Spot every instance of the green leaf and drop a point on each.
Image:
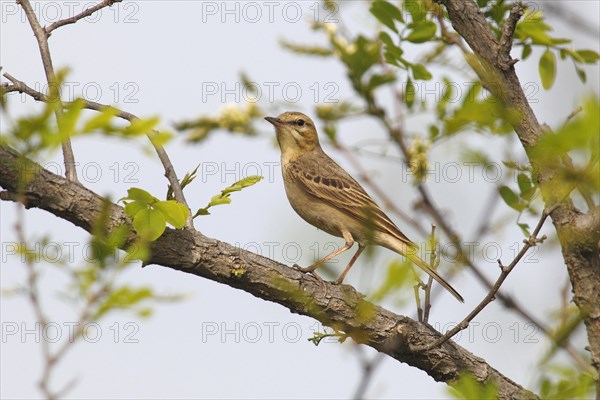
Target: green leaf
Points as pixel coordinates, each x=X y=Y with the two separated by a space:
x=421 y=32
x=307 y=50
x=377 y=80
x=510 y=198
x=202 y=211
x=568 y=383
x=515 y=166
x=122 y=299
x=573 y=54
x=134 y=207
x=365 y=54
x=243 y=183
x=526 y=52
x=219 y=199
x=588 y=56
x=533 y=27
x=547 y=69
x=149 y=224
x=174 y=212
x=467 y=387
x=524 y=182
x=398 y=275
x=137 y=194
x=420 y=72
x=434 y=132
x=101 y=121
x=69 y=118
x=526 y=187
x=581 y=74
x=392 y=53
x=556 y=41
x=524 y=229
x=416 y=8
x=223 y=197
x=386 y=13
x=141 y=126
x=187 y=179
x=160 y=138
x=580 y=133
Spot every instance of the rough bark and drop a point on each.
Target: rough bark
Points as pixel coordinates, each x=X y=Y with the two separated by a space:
x=338 y=306
x=579 y=233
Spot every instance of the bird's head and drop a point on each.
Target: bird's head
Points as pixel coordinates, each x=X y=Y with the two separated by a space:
x=296 y=133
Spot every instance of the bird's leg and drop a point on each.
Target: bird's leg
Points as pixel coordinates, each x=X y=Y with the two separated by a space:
x=349 y=243
x=361 y=248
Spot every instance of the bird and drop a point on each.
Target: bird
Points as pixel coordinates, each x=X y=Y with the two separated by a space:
x=327 y=197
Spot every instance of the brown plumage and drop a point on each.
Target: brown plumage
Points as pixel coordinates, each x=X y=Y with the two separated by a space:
x=326 y=196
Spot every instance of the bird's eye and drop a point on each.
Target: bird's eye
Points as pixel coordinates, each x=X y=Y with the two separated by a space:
x=300 y=122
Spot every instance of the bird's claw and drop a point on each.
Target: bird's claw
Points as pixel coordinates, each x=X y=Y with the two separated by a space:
x=306 y=270
x=312 y=272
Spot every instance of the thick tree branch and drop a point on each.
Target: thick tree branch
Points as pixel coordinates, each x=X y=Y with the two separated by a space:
x=343 y=308
x=579 y=252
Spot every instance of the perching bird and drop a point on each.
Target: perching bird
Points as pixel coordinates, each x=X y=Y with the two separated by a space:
x=326 y=196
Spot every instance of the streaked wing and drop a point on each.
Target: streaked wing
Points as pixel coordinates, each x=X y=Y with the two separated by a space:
x=327 y=181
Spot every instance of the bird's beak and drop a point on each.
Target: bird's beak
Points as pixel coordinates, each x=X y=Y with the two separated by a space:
x=275 y=121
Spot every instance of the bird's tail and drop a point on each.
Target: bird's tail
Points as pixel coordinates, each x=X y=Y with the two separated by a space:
x=408 y=251
x=433 y=273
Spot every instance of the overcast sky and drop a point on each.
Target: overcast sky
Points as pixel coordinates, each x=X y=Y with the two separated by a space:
x=182 y=59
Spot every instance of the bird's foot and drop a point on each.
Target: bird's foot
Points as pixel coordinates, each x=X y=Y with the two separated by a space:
x=312 y=272
x=307 y=270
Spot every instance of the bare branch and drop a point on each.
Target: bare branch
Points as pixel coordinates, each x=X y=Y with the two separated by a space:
x=433 y=263
x=170 y=174
x=75 y=18
x=42 y=39
x=369 y=367
x=416 y=289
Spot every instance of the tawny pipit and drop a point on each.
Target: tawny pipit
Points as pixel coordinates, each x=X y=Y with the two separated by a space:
x=326 y=196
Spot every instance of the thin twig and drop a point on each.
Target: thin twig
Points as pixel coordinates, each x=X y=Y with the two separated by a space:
x=368 y=367
x=416 y=288
x=432 y=264
x=75 y=18
x=42 y=39
x=34 y=298
x=21 y=87
x=572 y=115
x=532 y=241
